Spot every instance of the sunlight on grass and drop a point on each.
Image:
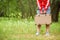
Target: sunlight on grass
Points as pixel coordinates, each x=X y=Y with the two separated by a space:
x=11 y=29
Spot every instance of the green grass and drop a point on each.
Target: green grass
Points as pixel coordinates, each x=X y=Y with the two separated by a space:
x=14 y=29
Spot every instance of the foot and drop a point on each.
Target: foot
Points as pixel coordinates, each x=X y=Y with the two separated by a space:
x=47 y=34
x=37 y=33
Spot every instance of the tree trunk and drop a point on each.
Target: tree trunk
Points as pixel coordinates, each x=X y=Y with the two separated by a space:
x=55 y=11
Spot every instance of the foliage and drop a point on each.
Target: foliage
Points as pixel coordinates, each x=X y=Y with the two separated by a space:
x=23 y=8
x=17 y=8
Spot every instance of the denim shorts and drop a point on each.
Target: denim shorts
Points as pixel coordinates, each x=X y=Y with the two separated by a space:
x=47 y=12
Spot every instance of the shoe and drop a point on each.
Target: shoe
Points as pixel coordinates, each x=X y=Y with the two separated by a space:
x=37 y=33
x=47 y=34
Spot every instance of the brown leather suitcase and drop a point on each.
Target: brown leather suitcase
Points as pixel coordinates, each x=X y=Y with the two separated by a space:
x=43 y=19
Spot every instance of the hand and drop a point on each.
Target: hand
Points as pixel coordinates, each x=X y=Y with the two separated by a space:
x=41 y=12
x=44 y=11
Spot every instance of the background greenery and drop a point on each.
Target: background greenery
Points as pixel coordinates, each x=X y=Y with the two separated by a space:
x=25 y=8
x=17 y=20
x=23 y=29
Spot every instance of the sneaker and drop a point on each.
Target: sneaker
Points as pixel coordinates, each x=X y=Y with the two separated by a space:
x=37 y=33
x=47 y=34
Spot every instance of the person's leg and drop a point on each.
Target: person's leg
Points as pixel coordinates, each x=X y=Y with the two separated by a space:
x=38 y=29
x=47 y=29
x=48 y=25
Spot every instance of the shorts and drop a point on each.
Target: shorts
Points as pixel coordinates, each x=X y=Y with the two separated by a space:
x=47 y=12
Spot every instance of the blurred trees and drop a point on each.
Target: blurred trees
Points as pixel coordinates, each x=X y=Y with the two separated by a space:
x=25 y=8
x=18 y=8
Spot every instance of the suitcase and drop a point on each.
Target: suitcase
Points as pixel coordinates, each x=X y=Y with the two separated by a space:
x=43 y=19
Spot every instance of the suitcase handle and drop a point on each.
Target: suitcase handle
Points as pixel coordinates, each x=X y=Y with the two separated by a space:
x=43 y=14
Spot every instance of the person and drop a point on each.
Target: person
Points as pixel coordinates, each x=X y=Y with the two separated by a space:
x=43 y=7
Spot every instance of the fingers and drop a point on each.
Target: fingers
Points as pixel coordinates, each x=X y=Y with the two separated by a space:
x=41 y=12
x=44 y=11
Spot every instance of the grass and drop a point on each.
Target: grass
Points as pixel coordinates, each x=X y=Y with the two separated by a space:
x=14 y=29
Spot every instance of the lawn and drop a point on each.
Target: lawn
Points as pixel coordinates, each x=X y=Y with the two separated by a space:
x=19 y=29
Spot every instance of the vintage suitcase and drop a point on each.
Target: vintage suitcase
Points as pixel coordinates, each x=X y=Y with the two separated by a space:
x=43 y=19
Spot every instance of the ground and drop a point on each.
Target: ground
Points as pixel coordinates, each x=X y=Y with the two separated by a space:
x=19 y=29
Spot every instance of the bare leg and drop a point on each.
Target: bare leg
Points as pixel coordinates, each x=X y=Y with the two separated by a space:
x=38 y=29
x=47 y=29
